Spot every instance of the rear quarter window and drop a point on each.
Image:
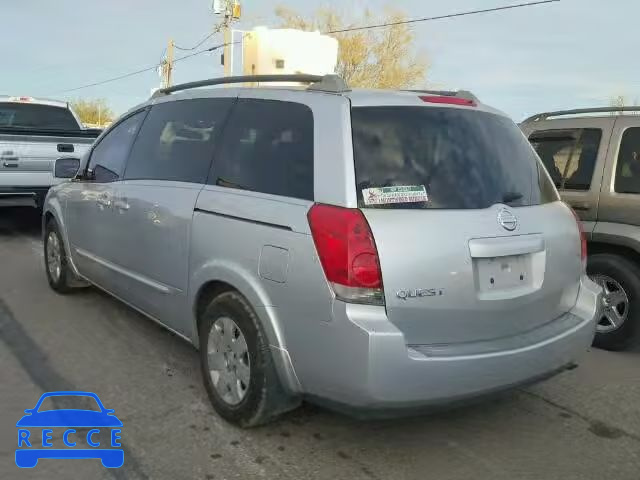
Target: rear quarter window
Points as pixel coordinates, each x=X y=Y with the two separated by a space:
x=569 y=155
x=453 y=158
x=627 y=179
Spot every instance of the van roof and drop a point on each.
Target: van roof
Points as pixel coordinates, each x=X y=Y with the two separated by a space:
x=327 y=84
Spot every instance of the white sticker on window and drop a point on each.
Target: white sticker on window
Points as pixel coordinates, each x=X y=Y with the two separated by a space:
x=386 y=195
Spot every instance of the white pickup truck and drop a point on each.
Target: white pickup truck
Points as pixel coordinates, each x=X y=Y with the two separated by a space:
x=33 y=134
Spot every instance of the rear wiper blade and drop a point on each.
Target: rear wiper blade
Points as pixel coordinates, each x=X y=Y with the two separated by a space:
x=226 y=183
x=509 y=197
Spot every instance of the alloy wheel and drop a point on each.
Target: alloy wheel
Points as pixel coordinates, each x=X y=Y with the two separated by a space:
x=615 y=304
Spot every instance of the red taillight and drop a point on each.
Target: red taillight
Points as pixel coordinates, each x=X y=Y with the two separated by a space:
x=583 y=236
x=347 y=252
x=465 y=102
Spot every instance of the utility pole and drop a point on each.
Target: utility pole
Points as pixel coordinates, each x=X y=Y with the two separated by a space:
x=231 y=11
x=226 y=55
x=167 y=66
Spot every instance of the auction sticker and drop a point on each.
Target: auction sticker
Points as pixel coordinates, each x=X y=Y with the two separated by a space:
x=387 y=195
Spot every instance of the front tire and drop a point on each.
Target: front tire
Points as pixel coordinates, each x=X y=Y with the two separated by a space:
x=620 y=279
x=237 y=366
x=56 y=264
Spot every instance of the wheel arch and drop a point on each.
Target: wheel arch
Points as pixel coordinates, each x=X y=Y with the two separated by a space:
x=52 y=210
x=220 y=276
x=624 y=251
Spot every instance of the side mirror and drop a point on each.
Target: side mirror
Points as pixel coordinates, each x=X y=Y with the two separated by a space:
x=66 y=167
x=29 y=411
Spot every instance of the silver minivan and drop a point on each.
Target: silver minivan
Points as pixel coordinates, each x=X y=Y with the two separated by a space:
x=372 y=250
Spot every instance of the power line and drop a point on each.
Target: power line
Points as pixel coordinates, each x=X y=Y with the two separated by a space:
x=199 y=43
x=143 y=70
x=343 y=30
x=441 y=17
x=120 y=77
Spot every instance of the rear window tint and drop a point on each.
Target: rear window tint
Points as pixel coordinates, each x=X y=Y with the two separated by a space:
x=569 y=155
x=447 y=158
x=45 y=117
x=267 y=147
x=628 y=168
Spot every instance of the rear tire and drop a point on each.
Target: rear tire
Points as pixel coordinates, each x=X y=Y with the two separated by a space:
x=614 y=269
x=241 y=402
x=56 y=265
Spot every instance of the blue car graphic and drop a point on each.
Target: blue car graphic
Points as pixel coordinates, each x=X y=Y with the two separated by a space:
x=28 y=456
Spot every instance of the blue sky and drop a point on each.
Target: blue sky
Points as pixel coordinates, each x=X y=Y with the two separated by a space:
x=561 y=55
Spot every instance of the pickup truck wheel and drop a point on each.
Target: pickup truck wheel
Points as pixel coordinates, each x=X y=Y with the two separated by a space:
x=237 y=367
x=620 y=280
x=55 y=260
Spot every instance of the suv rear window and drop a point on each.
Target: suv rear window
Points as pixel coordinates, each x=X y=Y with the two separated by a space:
x=44 y=117
x=446 y=158
x=569 y=155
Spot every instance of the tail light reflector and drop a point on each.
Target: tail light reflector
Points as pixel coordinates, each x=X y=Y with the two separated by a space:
x=583 y=237
x=347 y=252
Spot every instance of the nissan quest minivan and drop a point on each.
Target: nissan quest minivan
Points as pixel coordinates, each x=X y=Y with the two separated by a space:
x=373 y=250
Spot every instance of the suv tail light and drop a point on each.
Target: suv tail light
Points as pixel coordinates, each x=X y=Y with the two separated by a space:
x=583 y=238
x=347 y=252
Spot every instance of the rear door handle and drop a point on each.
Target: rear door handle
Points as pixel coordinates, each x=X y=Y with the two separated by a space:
x=104 y=200
x=122 y=204
x=506 y=246
x=9 y=162
x=65 y=147
x=582 y=206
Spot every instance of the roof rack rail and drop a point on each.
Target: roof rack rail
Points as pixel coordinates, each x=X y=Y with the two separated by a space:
x=323 y=83
x=579 y=111
x=466 y=94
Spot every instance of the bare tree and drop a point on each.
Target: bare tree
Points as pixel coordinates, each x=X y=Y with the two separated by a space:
x=93 y=111
x=372 y=58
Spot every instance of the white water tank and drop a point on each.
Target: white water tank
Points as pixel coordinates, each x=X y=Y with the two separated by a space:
x=288 y=51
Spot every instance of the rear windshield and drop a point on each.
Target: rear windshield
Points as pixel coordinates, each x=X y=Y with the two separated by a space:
x=448 y=158
x=37 y=117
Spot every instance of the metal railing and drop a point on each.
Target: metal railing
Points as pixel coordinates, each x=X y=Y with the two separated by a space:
x=579 y=111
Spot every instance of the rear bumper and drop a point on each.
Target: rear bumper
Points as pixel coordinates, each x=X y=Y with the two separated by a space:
x=372 y=368
x=22 y=196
